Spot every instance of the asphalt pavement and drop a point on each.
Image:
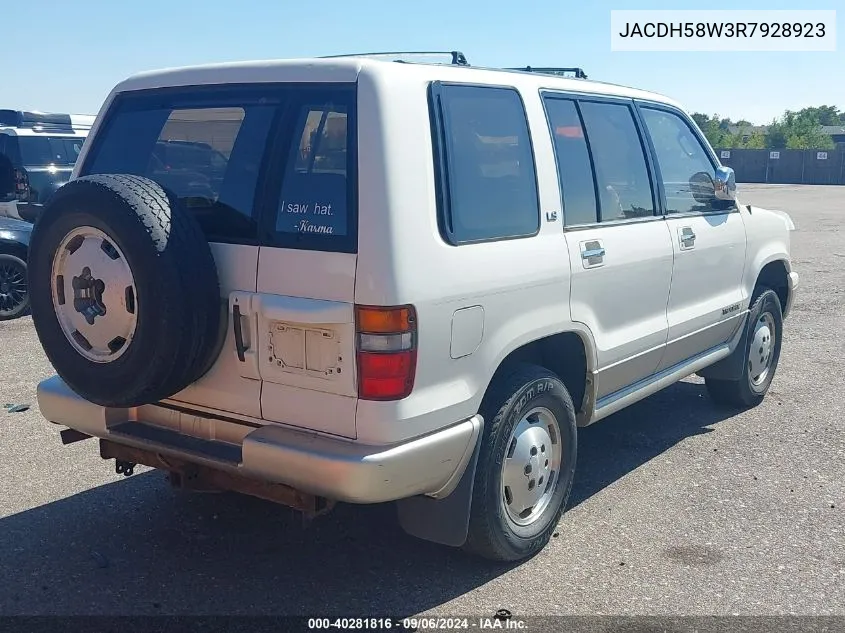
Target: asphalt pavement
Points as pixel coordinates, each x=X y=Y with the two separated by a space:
x=678 y=507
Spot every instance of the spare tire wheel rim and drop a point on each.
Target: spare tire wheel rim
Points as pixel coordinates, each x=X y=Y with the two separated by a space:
x=531 y=466
x=94 y=295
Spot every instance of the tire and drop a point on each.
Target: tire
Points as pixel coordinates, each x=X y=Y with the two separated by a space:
x=157 y=291
x=748 y=391
x=14 y=293
x=511 y=399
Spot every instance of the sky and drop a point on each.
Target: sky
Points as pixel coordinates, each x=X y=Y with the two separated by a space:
x=66 y=55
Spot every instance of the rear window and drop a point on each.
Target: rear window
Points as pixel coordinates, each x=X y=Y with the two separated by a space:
x=316 y=208
x=205 y=148
x=49 y=150
x=254 y=164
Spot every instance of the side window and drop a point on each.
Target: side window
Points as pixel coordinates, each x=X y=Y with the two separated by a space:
x=9 y=147
x=7 y=172
x=685 y=168
x=489 y=164
x=49 y=150
x=622 y=177
x=315 y=202
x=573 y=162
x=207 y=156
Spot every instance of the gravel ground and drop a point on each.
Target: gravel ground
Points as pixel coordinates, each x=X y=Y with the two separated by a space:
x=678 y=508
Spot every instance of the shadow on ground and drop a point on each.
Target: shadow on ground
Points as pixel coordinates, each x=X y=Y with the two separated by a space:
x=136 y=546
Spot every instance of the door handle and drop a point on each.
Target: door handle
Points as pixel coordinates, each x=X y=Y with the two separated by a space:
x=246 y=328
x=592 y=253
x=240 y=348
x=686 y=236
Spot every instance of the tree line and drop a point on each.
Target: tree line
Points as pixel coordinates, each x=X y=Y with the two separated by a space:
x=793 y=130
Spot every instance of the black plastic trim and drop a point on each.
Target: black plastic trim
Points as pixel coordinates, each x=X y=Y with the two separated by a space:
x=239 y=335
x=217 y=451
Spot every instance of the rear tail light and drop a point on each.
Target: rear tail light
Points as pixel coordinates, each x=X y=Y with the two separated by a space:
x=387 y=351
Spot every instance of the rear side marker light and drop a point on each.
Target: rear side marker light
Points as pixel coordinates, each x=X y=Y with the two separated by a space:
x=378 y=320
x=386 y=354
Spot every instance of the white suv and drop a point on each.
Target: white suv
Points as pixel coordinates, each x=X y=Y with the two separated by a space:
x=362 y=280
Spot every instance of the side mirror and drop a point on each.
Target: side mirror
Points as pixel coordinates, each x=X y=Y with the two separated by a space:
x=725 y=184
x=702 y=187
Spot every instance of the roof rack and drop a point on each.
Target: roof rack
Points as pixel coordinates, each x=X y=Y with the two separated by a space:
x=44 y=120
x=579 y=73
x=457 y=57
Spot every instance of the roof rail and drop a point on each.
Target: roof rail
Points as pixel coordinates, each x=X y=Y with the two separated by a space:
x=457 y=57
x=579 y=73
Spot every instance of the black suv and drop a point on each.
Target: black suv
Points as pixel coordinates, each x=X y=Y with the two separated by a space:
x=14 y=247
x=42 y=149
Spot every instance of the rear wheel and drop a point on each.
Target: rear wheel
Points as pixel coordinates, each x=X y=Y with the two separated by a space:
x=761 y=355
x=526 y=466
x=14 y=292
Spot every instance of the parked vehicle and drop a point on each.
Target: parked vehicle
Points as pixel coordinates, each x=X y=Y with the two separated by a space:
x=402 y=282
x=14 y=243
x=43 y=148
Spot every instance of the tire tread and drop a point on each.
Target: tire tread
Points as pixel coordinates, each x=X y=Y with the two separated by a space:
x=482 y=538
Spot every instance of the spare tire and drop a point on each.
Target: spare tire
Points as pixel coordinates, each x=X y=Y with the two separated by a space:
x=124 y=290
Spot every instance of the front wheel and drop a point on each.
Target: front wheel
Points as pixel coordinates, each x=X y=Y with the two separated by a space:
x=761 y=354
x=526 y=465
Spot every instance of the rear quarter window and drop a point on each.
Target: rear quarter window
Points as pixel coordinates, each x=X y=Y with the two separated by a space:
x=487 y=169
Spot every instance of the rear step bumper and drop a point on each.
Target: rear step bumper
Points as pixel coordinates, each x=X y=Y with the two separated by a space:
x=337 y=469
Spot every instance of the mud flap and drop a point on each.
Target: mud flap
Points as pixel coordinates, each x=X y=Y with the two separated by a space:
x=732 y=367
x=444 y=521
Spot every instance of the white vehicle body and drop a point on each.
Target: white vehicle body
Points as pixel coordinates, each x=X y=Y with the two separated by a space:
x=618 y=309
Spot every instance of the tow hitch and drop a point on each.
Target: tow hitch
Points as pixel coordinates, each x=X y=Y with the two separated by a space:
x=197 y=477
x=124 y=468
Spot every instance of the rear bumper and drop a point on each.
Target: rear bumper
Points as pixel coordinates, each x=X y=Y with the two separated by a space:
x=793 y=282
x=334 y=468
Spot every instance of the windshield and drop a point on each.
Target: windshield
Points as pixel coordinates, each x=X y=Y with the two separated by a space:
x=50 y=150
